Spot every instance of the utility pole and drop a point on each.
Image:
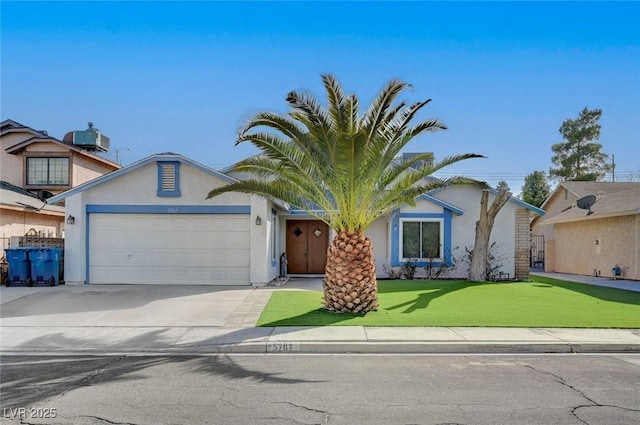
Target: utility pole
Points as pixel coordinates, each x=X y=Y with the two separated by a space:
x=613 y=168
x=118 y=155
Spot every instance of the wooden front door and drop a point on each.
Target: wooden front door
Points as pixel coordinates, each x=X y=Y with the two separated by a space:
x=307 y=242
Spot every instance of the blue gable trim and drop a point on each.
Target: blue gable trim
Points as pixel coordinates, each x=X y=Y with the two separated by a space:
x=136 y=165
x=443 y=204
x=521 y=203
x=446 y=217
x=168 y=209
x=493 y=191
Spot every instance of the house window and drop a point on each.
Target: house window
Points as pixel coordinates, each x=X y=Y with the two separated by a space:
x=168 y=179
x=47 y=171
x=421 y=239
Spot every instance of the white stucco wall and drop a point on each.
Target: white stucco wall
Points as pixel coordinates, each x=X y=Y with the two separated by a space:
x=463 y=228
x=380 y=236
x=264 y=264
x=75 y=259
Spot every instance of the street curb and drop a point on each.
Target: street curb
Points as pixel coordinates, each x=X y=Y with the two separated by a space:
x=330 y=347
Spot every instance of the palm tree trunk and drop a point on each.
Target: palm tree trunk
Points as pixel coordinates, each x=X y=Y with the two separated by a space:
x=350 y=284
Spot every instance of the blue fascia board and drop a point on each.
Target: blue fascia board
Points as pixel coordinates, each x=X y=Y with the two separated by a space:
x=521 y=203
x=168 y=209
x=304 y=212
x=443 y=204
x=494 y=191
x=163 y=157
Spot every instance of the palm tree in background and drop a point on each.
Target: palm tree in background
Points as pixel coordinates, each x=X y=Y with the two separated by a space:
x=334 y=160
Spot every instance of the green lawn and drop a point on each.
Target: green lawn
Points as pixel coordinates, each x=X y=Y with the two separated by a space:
x=542 y=303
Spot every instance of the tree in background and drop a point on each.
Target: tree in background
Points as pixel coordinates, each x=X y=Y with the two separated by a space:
x=536 y=188
x=579 y=157
x=503 y=185
x=334 y=160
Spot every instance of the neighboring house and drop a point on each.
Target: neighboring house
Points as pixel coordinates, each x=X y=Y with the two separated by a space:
x=150 y=222
x=22 y=213
x=32 y=162
x=592 y=244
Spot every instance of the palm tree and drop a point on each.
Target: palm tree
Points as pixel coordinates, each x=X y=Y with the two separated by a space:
x=334 y=160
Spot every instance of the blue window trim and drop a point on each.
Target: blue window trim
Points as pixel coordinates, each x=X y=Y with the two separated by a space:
x=395 y=236
x=169 y=193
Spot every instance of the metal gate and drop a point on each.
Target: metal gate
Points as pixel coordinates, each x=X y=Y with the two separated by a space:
x=537 y=251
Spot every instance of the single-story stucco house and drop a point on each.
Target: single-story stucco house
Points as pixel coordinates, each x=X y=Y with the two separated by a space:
x=150 y=222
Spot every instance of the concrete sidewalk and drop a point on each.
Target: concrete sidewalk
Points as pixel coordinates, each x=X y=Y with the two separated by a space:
x=627 y=285
x=336 y=339
x=137 y=320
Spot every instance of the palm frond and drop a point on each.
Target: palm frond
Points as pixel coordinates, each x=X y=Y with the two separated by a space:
x=331 y=158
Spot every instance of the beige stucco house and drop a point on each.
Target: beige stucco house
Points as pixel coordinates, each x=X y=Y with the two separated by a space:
x=592 y=244
x=33 y=163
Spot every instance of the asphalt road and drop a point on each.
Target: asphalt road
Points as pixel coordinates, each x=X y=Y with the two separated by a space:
x=329 y=389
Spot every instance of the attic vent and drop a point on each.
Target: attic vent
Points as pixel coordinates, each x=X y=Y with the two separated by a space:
x=168 y=178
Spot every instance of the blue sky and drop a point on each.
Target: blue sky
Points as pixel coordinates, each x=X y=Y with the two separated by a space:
x=183 y=76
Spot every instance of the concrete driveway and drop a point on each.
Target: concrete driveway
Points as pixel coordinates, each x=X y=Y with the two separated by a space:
x=120 y=305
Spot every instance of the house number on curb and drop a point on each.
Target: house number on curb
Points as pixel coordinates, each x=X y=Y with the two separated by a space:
x=282 y=347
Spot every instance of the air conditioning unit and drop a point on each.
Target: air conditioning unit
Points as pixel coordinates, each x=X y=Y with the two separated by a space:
x=409 y=155
x=90 y=139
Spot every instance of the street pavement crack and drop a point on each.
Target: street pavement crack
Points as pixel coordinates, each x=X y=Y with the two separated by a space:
x=105 y=420
x=562 y=381
x=86 y=381
x=309 y=409
x=574 y=410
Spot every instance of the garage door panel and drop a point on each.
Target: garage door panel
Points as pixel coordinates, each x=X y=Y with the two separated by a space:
x=169 y=249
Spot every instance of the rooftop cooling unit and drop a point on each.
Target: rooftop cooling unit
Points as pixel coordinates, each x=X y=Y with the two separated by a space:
x=409 y=155
x=90 y=139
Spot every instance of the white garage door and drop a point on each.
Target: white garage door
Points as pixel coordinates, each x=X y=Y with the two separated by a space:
x=169 y=249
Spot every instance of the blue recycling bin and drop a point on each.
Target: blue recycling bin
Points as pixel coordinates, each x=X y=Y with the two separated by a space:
x=19 y=270
x=45 y=265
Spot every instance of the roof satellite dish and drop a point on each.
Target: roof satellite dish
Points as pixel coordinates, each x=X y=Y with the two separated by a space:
x=586 y=202
x=43 y=195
